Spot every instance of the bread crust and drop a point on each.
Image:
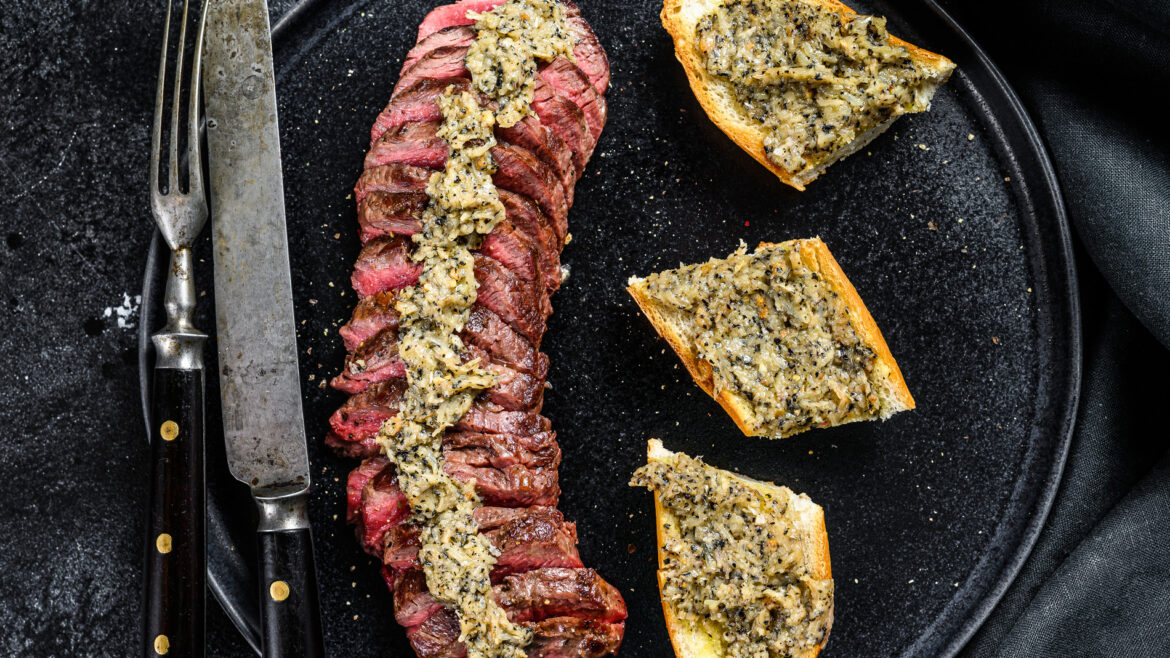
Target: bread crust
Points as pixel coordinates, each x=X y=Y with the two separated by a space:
x=893 y=392
x=694 y=641
x=679 y=18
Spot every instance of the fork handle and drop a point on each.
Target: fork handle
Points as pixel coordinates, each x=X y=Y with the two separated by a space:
x=176 y=539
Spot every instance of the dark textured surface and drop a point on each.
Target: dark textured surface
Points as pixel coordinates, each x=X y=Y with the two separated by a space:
x=930 y=228
x=666 y=186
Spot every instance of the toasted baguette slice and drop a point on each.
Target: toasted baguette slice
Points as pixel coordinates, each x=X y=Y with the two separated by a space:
x=679 y=330
x=680 y=17
x=693 y=640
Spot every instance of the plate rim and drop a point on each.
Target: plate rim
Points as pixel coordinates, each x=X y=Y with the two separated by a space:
x=247 y=623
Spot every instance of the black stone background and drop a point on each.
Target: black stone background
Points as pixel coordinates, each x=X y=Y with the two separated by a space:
x=77 y=82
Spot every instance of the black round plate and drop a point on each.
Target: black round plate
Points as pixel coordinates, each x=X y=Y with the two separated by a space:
x=950 y=225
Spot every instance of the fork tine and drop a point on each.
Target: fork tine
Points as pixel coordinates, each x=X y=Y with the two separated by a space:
x=175 y=103
x=160 y=94
x=194 y=164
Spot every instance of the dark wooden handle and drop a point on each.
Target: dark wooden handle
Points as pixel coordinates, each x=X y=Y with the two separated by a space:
x=290 y=612
x=176 y=530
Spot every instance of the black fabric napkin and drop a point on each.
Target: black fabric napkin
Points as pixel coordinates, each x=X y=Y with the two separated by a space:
x=1094 y=77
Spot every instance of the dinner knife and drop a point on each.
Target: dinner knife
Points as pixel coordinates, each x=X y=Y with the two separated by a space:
x=255 y=325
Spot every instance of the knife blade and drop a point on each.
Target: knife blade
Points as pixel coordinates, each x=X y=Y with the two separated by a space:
x=259 y=374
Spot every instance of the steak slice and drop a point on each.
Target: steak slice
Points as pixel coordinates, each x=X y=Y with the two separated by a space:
x=415 y=143
x=384 y=264
x=524 y=214
x=590 y=56
x=512 y=486
x=454 y=35
x=413 y=602
x=487 y=331
x=538 y=450
x=565 y=120
x=550 y=149
x=523 y=306
x=568 y=80
x=376 y=360
x=519 y=171
x=420 y=102
x=529 y=538
x=437 y=636
x=382 y=504
x=572 y=637
x=445 y=62
x=491 y=419
x=514 y=250
x=362 y=415
x=371 y=315
x=390 y=213
x=445 y=16
x=391 y=178
x=559 y=592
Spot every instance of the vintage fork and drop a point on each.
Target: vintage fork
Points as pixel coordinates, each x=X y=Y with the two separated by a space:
x=176 y=538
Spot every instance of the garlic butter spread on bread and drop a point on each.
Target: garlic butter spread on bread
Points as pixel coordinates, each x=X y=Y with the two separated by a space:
x=743 y=565
x=778 y=336
x=799 y=84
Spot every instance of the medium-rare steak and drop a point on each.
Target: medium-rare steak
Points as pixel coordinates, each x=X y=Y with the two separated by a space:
x=559 y=592
x=501 y=445
x=371 y=315
x=384 y=264
x=569 y=81
x=455 y=35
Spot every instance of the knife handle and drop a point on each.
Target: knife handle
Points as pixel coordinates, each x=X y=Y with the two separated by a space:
x=290 y=609
x=176 y=538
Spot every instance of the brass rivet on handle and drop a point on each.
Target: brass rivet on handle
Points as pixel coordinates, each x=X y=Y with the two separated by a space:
x=162 y=645
x=169 y=430
x=278 y=590
x=163 y=543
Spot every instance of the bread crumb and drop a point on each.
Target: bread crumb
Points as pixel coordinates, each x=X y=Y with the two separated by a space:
x=995 y=339
x=931 y=225
x=970 y=137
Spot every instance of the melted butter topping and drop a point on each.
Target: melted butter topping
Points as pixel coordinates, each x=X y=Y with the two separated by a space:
x=510 y=40
x=736 y=561
x=463 y=205
x=776 y=335
x=814 y=79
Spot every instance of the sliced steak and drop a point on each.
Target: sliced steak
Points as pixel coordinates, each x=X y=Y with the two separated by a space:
x=382 y=506
x=391 y=178
x=445 y=62
x=445 y=16
x=486 y=330
x=545 y=235
x=538 y=450
x=356 y=483
x=437 y=636
x=371 y=315
x=565 y=119
x=572 y=637
x=530 y=538
x=384 y=264
x=390 y=213
x=520 y=304
x=415 y=143
x=590 y=56
x=362 y=415
x=514 y=390
x=490 y=419
x=513 y=486
x=352 y=449
x=569 y=81
x=455 y=35
x=418 y=103
x=519 y=171
x=550 y=149
x=374 y=361
x=559 y=592
x=413 y=602
x=514 y=250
